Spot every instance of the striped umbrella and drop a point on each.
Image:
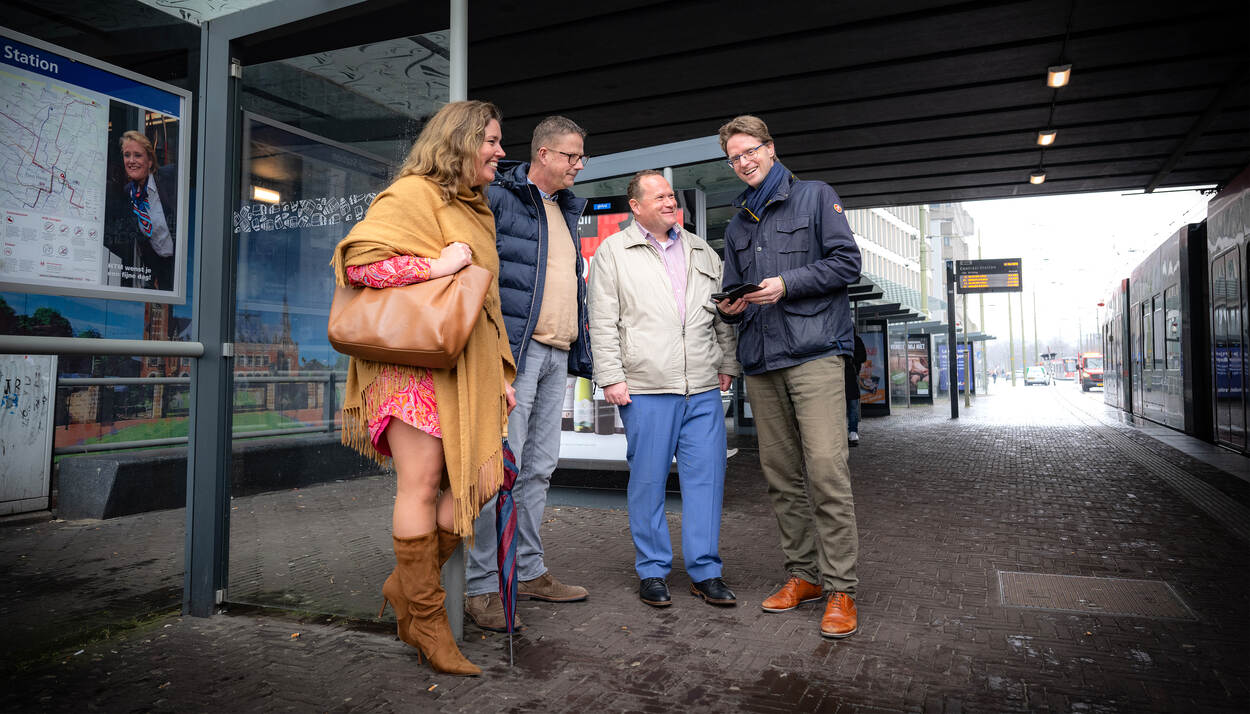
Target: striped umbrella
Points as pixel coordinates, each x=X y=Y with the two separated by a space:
x=505 y=530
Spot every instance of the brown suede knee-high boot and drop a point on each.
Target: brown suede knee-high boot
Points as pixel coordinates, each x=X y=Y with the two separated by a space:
x=418 y=602
x=393 y=594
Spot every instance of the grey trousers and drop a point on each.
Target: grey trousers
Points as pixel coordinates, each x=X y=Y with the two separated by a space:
x=800 y=415
x=534 y=435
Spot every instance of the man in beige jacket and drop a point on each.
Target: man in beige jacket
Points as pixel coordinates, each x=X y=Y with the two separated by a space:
x=661 y=351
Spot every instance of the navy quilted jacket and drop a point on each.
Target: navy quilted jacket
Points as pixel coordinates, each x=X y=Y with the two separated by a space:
x=521 y=238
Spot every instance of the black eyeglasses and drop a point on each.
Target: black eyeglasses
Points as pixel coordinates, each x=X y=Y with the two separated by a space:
x=749 y=153
x=573 y=158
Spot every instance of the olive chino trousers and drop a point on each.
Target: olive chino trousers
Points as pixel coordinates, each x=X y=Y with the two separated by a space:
x=800 y=417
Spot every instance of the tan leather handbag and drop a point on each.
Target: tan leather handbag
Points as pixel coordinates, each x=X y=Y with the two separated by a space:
x=422 y=325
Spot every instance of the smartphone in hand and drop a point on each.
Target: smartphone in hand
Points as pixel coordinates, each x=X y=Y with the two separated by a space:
x=736 y=292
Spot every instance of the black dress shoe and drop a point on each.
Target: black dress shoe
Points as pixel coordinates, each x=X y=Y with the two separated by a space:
x=715 y=591
x=654 y=592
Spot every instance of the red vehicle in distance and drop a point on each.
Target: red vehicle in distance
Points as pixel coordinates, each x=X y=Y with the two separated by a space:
x=1089 y=370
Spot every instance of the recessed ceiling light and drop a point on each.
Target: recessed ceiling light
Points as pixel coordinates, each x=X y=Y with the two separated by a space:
x=1058 y=75
x=1046 y=137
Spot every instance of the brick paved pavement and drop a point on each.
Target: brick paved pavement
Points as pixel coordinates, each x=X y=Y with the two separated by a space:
x=1026 y=481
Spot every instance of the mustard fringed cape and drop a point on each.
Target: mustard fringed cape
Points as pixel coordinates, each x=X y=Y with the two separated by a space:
x=410 y=217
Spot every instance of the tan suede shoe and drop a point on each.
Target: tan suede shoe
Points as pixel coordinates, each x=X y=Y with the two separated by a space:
x=841 y=618
x=795 y=592
x=486 y=611
x=546 y=587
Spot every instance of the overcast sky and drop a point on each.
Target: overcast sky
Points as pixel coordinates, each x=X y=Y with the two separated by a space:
x=1074 y=249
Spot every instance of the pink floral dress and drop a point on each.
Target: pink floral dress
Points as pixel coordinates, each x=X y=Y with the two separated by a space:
x=414 y=404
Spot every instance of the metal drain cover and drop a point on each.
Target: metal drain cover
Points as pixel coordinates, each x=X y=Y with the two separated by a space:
x=1100 y=596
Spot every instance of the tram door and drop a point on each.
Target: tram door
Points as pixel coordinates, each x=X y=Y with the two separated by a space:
x=1139 y=320
x=1226 y=337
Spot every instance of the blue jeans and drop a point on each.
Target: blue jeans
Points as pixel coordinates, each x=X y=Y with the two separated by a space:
x=852 y=415
x=657 y=427
x=534 y=435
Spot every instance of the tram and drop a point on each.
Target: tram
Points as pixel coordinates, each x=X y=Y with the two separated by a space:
x=1175 y=330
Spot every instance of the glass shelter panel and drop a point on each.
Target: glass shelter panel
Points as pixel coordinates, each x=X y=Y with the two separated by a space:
x=123 y=543
x=321 y=136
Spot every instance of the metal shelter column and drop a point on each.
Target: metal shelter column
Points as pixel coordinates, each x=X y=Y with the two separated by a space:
x=208 y=451
x=458 y=90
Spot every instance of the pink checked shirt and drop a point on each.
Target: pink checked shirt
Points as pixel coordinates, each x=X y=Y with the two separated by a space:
x=674 y=258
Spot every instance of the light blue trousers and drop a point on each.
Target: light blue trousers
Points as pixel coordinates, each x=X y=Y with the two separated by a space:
x=657 y=427
x=534 y=435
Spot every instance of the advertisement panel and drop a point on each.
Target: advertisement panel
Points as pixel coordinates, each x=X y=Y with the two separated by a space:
x=898 y=369
x=918 y=368
x=872 y=382
x=94 y=177
x=960 y=360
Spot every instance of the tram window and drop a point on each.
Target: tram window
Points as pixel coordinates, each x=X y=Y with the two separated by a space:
x=1172 y=327
x=1147 y=336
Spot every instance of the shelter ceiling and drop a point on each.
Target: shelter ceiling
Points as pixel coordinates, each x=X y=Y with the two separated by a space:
x=893 y=103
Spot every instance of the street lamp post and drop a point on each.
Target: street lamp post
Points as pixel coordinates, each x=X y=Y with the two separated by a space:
x=1011 y=340
x=1024 y=353
x=1036 y=345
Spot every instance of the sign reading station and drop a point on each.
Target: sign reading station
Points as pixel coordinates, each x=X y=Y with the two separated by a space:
x=988 y=276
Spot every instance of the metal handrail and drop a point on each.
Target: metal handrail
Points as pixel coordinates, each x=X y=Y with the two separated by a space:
x=28 y=345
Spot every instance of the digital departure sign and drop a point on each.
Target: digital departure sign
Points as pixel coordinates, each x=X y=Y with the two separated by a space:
x=988 y=276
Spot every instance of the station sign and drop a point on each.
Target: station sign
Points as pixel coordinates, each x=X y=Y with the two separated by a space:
x=988 y=276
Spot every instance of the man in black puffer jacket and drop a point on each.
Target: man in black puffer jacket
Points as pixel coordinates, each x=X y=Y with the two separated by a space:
x=543 y=296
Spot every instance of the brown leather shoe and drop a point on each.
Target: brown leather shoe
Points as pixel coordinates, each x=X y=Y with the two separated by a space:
x=841 y=618
x=795 y=592
x=486 y=611
x=546 y=587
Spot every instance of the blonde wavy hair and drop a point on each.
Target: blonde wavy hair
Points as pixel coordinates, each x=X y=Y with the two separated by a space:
x=446 y=151
x=142 y=140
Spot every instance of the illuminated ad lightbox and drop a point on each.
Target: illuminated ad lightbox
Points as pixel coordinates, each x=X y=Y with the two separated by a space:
x=871 y=378
x=94 y=181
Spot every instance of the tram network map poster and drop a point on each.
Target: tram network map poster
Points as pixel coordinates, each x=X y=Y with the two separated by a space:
x=93 y=177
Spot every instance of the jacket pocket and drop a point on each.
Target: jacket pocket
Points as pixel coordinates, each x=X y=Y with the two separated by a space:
x=809 y=325
x=794 y=240
x=745 y=258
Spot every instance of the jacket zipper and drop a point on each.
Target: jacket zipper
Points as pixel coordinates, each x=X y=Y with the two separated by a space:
x=529 y=321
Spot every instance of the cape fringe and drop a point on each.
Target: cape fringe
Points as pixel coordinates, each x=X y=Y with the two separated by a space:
x=469 y=501
x=469 y=505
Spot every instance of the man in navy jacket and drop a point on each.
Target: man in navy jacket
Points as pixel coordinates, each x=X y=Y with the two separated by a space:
x=791 y=238
x=543 y=296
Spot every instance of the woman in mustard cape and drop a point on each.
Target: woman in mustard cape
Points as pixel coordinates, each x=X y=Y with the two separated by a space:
x=442 y=428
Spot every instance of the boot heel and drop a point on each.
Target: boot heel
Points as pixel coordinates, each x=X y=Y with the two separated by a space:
x=382 y=610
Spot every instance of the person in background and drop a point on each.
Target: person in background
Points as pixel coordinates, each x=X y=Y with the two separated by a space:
x=433 y=423
x=544 y=310
x=663 y=355
x=791 y=238
x=852 y=391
